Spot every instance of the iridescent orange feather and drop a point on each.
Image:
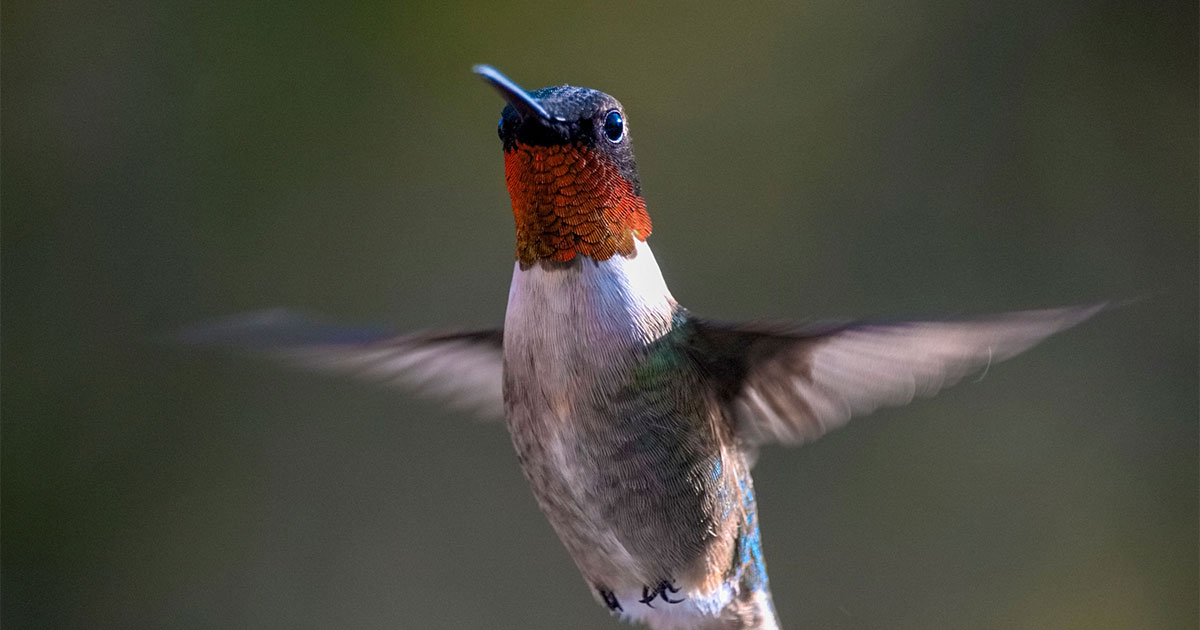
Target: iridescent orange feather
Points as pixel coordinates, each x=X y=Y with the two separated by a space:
x=569 y=200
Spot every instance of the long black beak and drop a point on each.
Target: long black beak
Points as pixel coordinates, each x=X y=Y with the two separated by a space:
x=521 y=101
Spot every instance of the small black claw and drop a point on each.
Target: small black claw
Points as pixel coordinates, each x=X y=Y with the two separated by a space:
x=610 y=599
x=664 y=587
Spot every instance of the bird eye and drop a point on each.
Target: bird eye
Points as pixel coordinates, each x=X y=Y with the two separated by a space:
x=614 y=126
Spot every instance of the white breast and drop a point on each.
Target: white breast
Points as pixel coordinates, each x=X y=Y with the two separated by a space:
x=569 y=334
x=617 y=301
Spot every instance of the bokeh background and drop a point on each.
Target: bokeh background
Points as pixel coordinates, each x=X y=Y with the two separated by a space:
x=171 y=162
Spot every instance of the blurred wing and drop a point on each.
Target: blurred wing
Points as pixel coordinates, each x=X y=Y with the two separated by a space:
x=791 y=386
x=463 y=368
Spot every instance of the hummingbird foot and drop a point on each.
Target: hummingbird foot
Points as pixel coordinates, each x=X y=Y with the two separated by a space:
x=666 y=606
x=663 y=590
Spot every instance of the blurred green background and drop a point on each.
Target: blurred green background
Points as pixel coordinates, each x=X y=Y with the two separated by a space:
x=167 y=163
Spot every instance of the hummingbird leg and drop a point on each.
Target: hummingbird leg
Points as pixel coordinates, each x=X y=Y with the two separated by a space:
x=663 y=590
x=648 y=596
x=668 y=585
x=610 y=599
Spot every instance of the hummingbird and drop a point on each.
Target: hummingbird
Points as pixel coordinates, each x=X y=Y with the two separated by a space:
x=636 y=422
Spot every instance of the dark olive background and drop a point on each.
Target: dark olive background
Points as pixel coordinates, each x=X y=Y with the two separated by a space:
x=167 y=163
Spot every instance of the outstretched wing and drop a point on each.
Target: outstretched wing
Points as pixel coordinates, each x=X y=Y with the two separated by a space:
x=463 y=368
x=793 y=385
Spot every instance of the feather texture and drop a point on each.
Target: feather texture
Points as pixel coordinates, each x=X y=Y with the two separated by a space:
x=463 y=368
x=791 y=385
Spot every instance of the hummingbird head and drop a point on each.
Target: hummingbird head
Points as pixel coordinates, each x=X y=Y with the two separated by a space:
x=569 y=165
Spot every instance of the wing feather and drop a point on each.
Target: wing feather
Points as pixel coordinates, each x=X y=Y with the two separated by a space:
x=792 y=384
x=463 y=368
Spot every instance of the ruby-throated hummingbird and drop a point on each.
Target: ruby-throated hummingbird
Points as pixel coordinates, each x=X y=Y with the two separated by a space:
x=635 y=422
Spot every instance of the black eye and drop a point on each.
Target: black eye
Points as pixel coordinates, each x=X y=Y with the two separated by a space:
x=614 y=126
